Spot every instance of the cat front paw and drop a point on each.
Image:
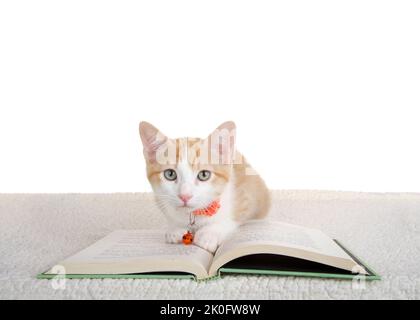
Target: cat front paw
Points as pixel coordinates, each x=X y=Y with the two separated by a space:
x=174 y=235
x=207 y=240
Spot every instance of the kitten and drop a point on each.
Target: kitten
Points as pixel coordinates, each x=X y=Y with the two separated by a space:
x=189 y=174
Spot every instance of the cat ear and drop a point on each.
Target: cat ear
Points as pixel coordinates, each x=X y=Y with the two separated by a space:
x=152 y=140
x=222 y=143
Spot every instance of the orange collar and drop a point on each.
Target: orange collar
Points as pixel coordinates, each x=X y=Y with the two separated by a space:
x=210 y=210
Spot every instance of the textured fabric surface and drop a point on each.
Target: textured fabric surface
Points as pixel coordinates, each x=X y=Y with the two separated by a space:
x=38 y=230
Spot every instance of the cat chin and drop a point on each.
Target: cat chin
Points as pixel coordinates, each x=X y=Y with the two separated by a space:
x=183 y=208
x=182 y=211
x=188 y=208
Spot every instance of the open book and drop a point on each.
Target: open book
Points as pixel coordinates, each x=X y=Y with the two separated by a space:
x=256 y=247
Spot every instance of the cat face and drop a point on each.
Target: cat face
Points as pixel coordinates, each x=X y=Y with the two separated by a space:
x=188 y=173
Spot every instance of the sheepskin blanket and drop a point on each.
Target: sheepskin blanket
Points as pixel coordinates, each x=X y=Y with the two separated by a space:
x=39 y=230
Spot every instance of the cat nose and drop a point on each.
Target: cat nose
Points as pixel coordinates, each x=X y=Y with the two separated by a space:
x=185 y=197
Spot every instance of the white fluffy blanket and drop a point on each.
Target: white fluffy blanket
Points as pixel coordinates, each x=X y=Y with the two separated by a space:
x=38 y=230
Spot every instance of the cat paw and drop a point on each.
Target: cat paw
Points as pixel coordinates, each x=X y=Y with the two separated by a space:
x=207 y=240
x=174 y=235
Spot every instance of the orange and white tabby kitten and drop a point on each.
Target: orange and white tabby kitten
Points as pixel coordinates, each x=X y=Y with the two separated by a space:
x=189 y=174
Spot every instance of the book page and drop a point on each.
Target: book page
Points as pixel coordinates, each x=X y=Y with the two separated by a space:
x=272 y=237
x=282 y=234
x=123 y=246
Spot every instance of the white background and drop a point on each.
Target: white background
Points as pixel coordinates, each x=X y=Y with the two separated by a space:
x=333 y=86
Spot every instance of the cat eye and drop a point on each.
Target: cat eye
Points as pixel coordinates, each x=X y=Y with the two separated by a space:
x=204 y=175
x=170 y=174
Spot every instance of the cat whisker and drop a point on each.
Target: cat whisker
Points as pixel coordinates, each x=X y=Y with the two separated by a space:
x=166 y=196
x=162 y=205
